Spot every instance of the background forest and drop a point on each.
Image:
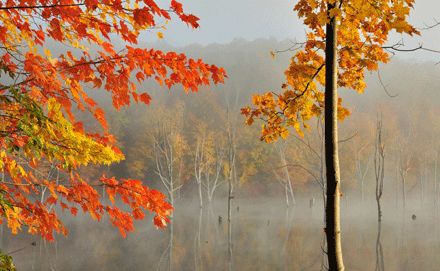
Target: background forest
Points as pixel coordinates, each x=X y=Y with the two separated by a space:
x=119 y=111
x=266 y=177
x=409 y=109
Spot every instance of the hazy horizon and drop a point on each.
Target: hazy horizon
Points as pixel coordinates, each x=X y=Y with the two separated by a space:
x=224 y=21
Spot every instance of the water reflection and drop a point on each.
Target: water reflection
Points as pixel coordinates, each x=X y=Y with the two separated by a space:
x=265 y=236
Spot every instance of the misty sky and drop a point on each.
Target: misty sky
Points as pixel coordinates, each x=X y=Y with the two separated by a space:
x=226 y=20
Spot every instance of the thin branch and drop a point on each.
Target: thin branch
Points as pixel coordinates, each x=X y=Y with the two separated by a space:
x=384 y=87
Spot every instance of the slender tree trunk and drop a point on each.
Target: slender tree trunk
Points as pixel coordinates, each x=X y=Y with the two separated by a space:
x=200 y=194
x=333 y=226
x=379 y=169
x=286 y=257
x=436 y=203
x=397 y=187
x=421 y=188
x=380 y=263
x=171 y=242
x=435 y=182
x=198 y=265
x=289 y=185
x=231 y=175
x=292 y=195
x=379 y=211
x=362 y=191
x=404 y=192
x=230 y=197
x=288 y=181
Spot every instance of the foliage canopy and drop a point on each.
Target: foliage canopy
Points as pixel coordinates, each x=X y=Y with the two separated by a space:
x=43 y=145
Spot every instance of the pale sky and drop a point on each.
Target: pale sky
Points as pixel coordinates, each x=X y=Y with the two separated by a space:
x=222 y=21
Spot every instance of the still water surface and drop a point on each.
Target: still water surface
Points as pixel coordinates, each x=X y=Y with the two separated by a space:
x=265 y=236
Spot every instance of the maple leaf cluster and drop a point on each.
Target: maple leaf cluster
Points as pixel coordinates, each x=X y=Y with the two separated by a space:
x=362 y=30
x=43 y=145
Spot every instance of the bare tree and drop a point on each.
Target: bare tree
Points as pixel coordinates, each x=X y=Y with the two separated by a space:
x=285 y=180
x=316 y=170
x=404 y=167
x=379 y=170
x=200 y=165
x=231 y=176
x=212 y=178
x=362 y=170
x=198 y=263
x=208 y=165
x=436 y=185
x=379 y=167
x=423 y=179
x=168 y=148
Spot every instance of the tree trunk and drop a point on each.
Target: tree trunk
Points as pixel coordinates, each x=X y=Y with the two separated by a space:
x=230 y=197
x=362 y=190
x=231 y=175
x=333 y=227
x=171 y=242
x=198 y=265
x=289 y=185
x=421 y=188
x=200 y=194
x=380 y=263
x=230 y=253
x=404 y=192
x=292 y=195
x=435 y=182
x=397 y=187
x=379 y=170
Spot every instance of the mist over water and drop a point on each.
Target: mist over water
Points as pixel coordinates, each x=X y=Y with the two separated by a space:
x=266 y=236
x=239 y=203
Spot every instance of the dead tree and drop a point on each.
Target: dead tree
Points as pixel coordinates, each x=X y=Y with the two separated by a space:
x=282 y=181
x=379 y=166
x=200 y=166
x=422 y=180
x=208 y=165
x=168 y=150
x=212 y=178
x=231 y=153
x=436 y=185
x=317 y=172
x=198 y=261
x=362 y=170
x=379 y=170
x=404 y=167
x=285 y=181
x=167 y=155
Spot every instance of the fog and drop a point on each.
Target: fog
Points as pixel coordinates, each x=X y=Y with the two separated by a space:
x=266 y=234
x=224 y=21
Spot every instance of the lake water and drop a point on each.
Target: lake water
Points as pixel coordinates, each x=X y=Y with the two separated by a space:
x=265 y=236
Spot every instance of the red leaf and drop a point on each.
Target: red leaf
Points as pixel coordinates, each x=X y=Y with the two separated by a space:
x=145 y=98
x=74 y=211
x=100 y=116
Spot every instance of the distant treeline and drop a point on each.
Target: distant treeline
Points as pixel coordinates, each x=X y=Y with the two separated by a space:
x=405 y=94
